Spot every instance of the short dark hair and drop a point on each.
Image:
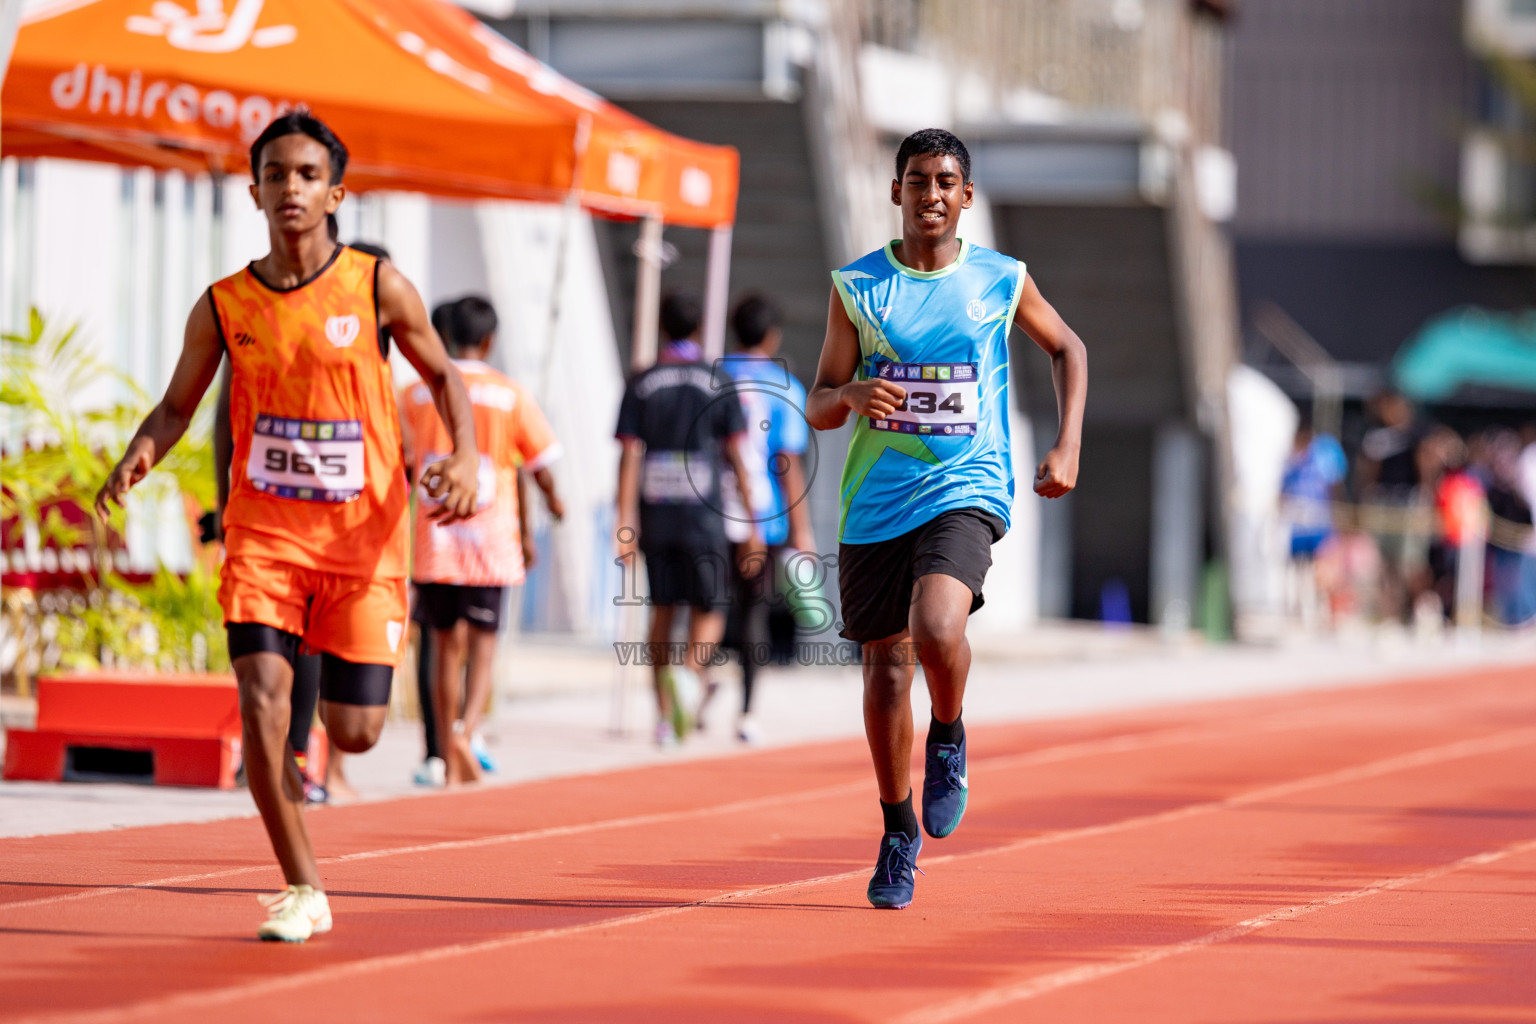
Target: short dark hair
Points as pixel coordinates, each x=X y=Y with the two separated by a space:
x=932 y=140
x=371 y=248
x=754 y=316
x=681 y=311
x=442 y=322
x=301 y=122
x=473 y=319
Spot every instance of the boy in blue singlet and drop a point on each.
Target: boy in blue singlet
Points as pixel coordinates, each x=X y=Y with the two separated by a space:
x=917 y=348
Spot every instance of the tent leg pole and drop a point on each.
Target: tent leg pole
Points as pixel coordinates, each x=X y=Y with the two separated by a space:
x=717 y=290
x=647 y=295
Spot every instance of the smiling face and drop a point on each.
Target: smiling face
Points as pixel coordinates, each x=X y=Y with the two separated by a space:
x=293 y=187
x=931 y=193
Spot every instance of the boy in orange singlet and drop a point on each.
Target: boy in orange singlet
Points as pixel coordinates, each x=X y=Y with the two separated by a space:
x=462 y=570
x=316 y=525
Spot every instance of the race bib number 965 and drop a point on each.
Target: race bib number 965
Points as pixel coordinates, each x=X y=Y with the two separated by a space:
x=307 y=460
x=942 y=399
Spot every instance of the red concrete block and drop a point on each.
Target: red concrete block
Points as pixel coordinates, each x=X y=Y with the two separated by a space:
x=33 y=756
x=126 y=704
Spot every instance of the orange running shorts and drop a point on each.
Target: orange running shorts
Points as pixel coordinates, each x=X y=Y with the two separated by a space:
x=355 y=618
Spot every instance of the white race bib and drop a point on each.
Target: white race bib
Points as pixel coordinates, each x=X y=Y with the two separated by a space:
x=307 y=460
x=942 y=398
x=485 y=481
x=665 y=479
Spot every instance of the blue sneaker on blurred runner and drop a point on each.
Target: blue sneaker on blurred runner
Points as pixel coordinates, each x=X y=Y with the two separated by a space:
x=477 y=747
x=944 y=788
x=890 y=887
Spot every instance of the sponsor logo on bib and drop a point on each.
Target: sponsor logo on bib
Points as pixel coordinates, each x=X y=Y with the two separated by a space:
x=341 y=331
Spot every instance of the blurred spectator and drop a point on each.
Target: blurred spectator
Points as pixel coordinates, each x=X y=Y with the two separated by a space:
x=1458 y=498
x=1348 y=574
x=1388 y=475
x=1527 y=488
x=1387 y=467
x=1313 y=475
x=1310 y=484
x=1507 y=468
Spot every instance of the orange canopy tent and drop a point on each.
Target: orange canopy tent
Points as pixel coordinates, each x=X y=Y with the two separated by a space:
x=426 y=98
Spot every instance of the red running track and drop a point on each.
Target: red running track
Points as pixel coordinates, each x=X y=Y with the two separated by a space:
x=1353 y=855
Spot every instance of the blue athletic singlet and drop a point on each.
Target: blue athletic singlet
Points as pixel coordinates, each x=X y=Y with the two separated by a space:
x=943 y=336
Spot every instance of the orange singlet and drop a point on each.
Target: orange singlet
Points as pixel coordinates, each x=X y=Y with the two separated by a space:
x=485 y=550
x=316 y=528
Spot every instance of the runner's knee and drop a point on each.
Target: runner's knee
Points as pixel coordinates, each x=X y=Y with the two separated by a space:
x=888 y=682
x=264 y=690
x=354 y=730
x=935 y=637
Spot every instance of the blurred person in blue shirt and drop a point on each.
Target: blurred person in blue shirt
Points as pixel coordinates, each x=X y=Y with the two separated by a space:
x=1313 y=473
x=773 y=406
x=1311 y=481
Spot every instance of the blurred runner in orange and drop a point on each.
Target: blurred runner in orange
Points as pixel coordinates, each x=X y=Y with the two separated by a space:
x=462 y=569
x=316 y=523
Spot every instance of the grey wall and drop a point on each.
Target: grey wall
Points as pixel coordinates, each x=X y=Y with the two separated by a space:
x=1339 y=109
x=778 y=247
x=1106 y=271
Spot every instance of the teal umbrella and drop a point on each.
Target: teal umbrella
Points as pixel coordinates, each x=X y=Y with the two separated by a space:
x=1468 y=347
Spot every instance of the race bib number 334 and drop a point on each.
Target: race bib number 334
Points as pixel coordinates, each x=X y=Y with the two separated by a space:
x=942 y=399
x=307 y=460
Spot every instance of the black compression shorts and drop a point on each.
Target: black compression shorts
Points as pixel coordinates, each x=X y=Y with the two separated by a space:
x=341 y=681
x=875 y=580
x=443 y=605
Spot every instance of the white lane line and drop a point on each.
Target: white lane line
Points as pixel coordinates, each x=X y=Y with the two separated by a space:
x=1047 y=755
x=156 y=1007
x=970 y=1006
x=1374 y=769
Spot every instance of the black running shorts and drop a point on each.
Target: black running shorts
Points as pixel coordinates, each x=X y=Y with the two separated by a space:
x=444 y=605
x=341 y=681
x=696 y=573
x=875 y=580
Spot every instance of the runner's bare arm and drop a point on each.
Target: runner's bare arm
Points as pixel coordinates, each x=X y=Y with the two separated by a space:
x=407 y=440
x=530 y=551
x=835 y=392
x=629 y=494
x=792 y=480
x=201 y=350
x=223 y=448
x=751 y=560
x=1057 y=473
x=546 y=481
x=454 y=479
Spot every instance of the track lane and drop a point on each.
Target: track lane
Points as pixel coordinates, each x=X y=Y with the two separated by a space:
x=1211 y=762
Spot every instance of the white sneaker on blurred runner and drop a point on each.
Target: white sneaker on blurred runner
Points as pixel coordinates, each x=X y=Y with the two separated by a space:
x=295 y=914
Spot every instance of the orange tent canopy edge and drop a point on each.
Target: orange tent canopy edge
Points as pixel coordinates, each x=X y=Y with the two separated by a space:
x=426 y=97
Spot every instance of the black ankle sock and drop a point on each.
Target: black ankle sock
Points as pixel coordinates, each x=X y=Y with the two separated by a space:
x=945 y=732
x=899 y=817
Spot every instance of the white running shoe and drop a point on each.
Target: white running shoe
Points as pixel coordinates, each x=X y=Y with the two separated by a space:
x=747 y=731
x=688 y=692
x=295 y=914
x=666 y=736
x=433 y=772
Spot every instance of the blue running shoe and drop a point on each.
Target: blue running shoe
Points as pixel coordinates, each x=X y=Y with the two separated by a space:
x=477 y=747
x=890 y=888
x=944 y=788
